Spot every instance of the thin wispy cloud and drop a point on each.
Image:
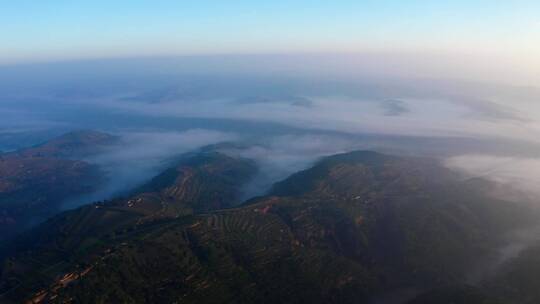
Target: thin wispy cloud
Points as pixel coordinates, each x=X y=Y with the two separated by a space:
x=141 y=155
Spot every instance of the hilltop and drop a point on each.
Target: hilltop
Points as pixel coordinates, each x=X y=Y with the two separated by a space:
x=352 y=227
x=35 y=181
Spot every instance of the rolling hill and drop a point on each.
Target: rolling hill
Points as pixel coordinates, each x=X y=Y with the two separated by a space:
x=35 y=181
x=351 y=228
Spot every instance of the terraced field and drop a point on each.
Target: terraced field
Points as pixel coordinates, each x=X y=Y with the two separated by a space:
x=352 y=227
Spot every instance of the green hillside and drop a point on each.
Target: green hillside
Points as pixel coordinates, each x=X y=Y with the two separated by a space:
x=350 y=228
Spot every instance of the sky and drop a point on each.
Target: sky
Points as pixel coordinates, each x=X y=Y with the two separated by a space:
x=56 y=30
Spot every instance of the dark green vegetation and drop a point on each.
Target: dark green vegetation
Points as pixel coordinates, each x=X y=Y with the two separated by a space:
x=197 y=183
x=35 y=181
x=350 y=228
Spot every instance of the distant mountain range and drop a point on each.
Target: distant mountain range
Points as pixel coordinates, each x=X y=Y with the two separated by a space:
x=354 y=228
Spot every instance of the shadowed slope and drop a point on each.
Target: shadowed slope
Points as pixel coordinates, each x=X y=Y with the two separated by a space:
x=354 y=226
x=35 y=181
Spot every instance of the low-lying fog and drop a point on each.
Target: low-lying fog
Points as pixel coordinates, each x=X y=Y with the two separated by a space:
x=277 y=113
x=288 y=115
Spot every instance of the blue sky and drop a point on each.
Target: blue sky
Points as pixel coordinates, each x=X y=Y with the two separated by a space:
x=61 y=29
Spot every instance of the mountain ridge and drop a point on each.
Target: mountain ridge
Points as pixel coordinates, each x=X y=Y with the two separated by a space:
x=35 y=181
x=324 y=246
